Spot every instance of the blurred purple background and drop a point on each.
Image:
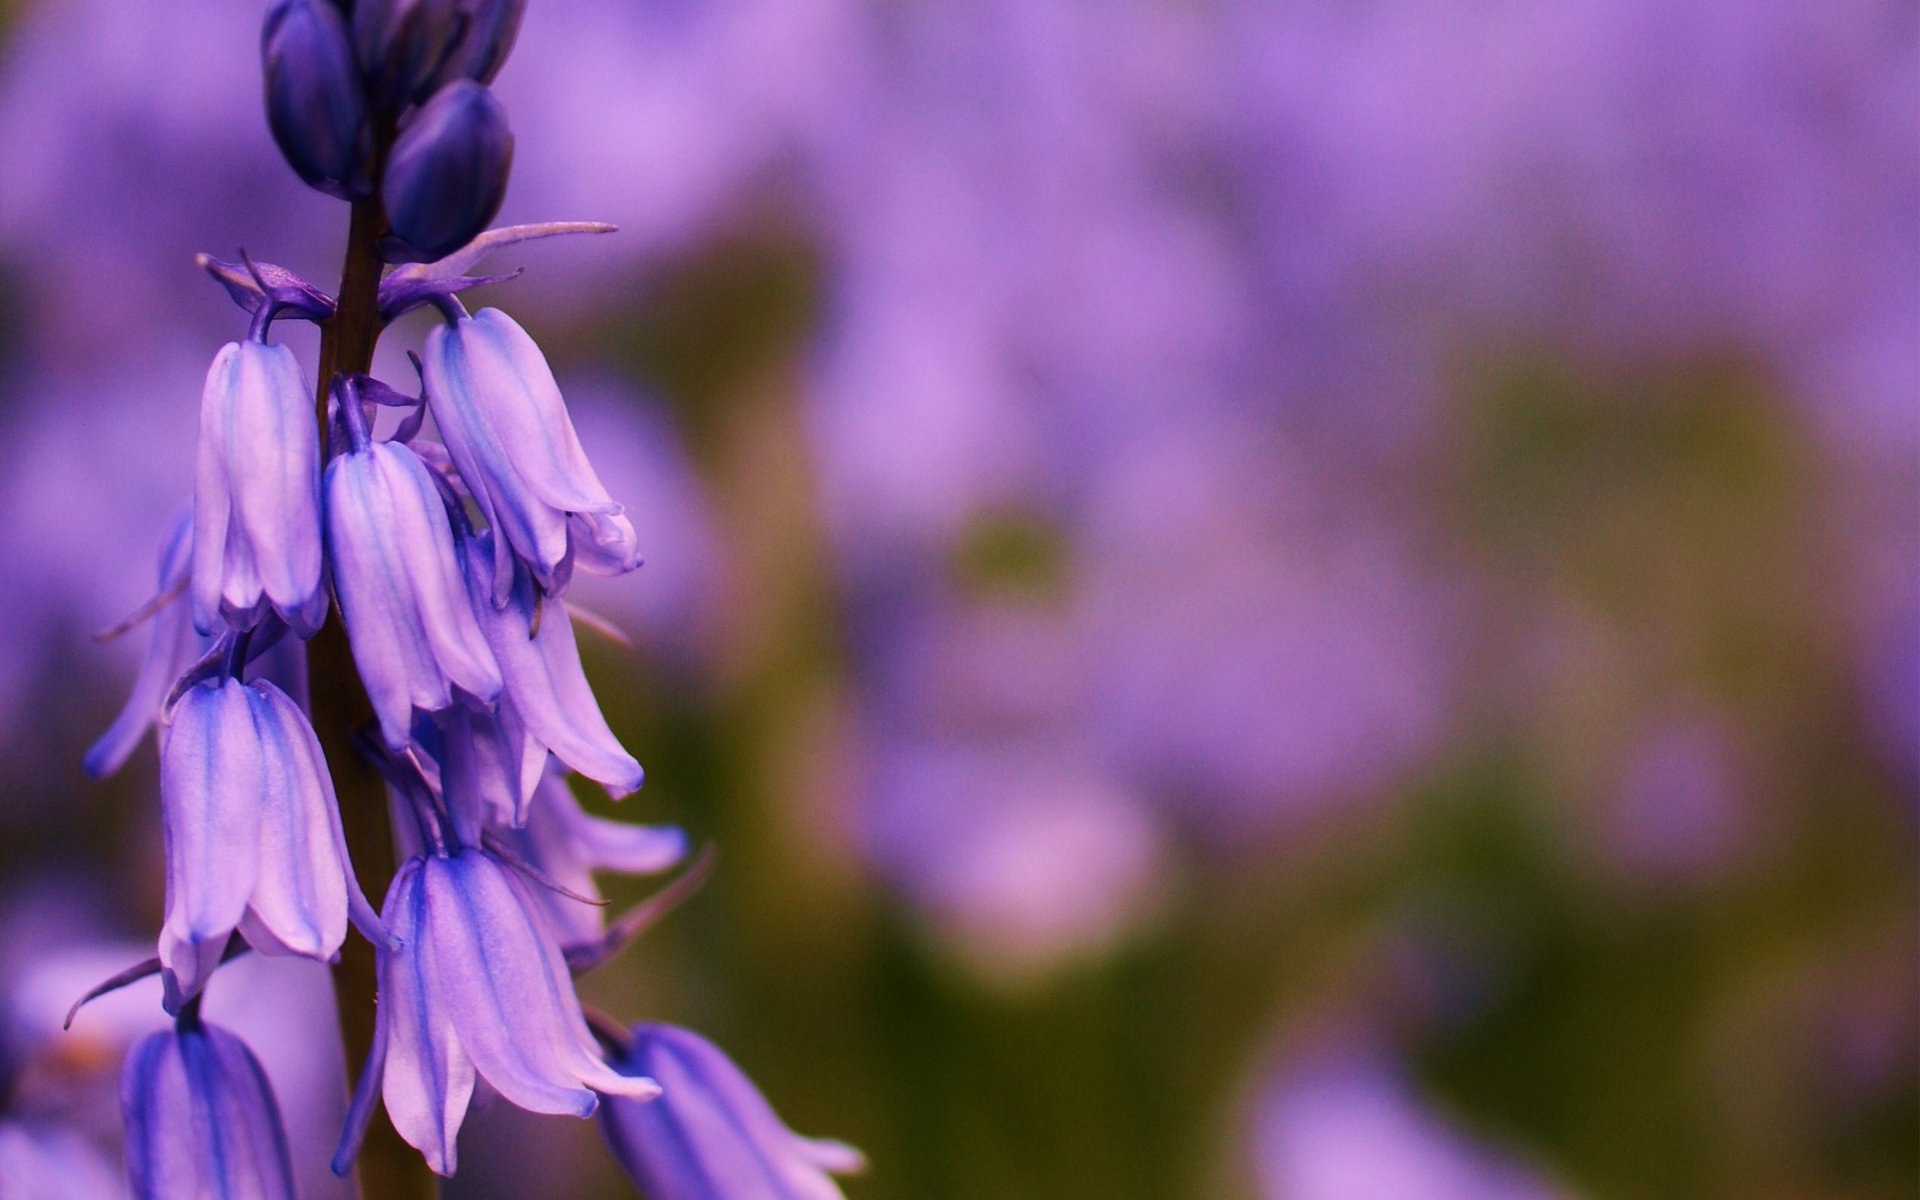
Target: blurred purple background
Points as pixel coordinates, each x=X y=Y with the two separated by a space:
x=1300 y=599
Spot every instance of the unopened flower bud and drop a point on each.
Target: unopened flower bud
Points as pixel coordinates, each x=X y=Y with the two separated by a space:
x=402 y=45
x=448 y=172
x=314 y=100
x=485 y=39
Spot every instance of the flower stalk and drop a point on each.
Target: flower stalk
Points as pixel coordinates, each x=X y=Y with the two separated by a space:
x=387 y=1166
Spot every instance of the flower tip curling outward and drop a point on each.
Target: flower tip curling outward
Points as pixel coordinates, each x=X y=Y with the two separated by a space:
x=256 y=494
x=315 y=105
x=201 y=1119
x=447 y=174
x=711 y=1135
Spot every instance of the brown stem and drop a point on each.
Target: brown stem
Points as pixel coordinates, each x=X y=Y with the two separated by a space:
x=388 y=1168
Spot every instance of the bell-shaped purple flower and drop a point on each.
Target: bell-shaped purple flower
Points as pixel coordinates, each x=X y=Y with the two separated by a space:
x=474 y=986
x=402 y=45
x=447 y=173
x=506 y=427
x=532 y=640
x=567 y=845
x=711 y=1135
x=175 y=646
x=395 y=570
x=256 y=494
x=315 y=105
x=252 y=833
x=200 y=1119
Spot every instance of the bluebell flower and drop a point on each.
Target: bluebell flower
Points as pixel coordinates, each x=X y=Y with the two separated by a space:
x=532 y=641
x=506 y=427
x=447 y=173
x=315 y=105
x=568 y=844
x=252 y=833
x=394 y=568
x=711 y=1135
x=474 y=986
x=174 y=646
x=256 y=493
x=201 y=1120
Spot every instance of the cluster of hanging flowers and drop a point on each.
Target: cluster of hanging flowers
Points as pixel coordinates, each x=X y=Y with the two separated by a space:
x=448 y=562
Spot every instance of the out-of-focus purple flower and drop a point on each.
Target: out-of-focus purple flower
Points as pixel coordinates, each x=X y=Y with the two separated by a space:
x=401 y=45
x=1343 y=1124
x=1682 y=805
x=399 y=581
x=315 y=105
x=253 y=835
x=711 y=104
x=711 y=1135
x=38 y=1163
x=201 y=1119
x=447 y=173
x=256 y=495
x=475 y=985
x=506 y=426
x=567 y=845
x=532 y=641
x=975 y=835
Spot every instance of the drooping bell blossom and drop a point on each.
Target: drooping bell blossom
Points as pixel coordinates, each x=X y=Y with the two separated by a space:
x=447 y=173
x=506 y=426
x=474 y=984
x=175 y=645
x=256 y=494
x=201 y=1119
x=252 y=834
x=315 y=104
x=401 y=45
x=532 y=641
x=567 y=845
x=412 y=630
x=711 y=1135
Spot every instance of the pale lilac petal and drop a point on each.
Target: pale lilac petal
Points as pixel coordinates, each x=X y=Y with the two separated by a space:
x=212 y=497
x=172 y=648
x=210 y=785
x=256 y=495
x=301 y=895
x=547 y=686
x=439 y=587
x=488 y=963
x=428 y=1077
x=710 y=1135
x=201 y=1119
x=370 y=578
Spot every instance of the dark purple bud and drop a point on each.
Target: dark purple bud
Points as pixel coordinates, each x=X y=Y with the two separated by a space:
x=314 y=101
x=448 y=172
x=485 y=39
x=402 y=45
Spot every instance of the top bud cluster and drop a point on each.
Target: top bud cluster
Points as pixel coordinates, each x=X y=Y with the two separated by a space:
x=346 y=78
